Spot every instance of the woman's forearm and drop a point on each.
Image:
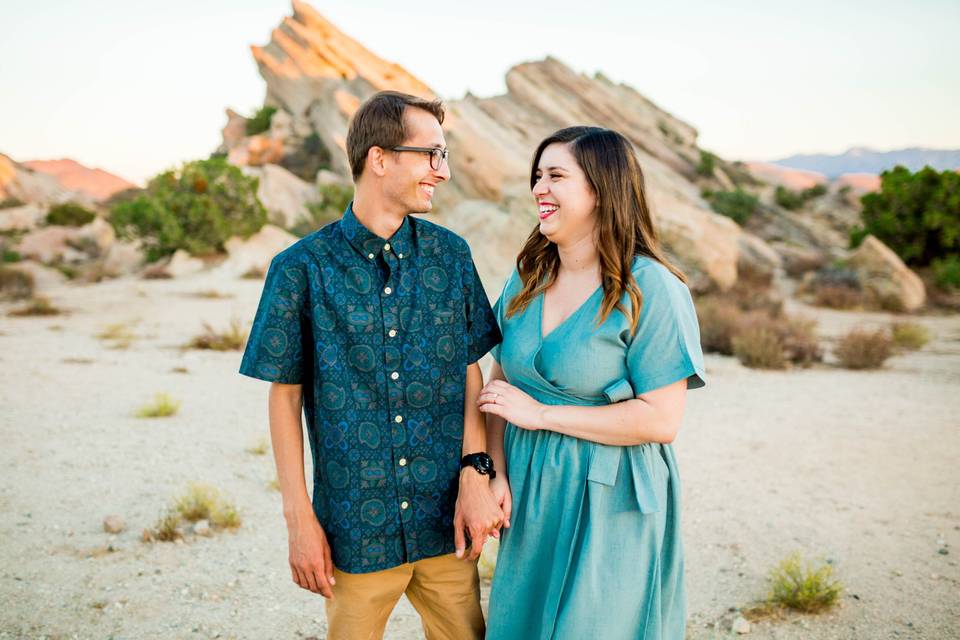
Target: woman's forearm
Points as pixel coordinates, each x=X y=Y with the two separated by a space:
x=625 y=423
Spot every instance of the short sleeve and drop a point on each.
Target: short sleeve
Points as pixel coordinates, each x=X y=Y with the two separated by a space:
x=276 y=347
x=666 y=347
x=483 y=332
x=499 y=311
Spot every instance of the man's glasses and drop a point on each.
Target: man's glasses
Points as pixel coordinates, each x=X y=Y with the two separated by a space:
x=437 y=156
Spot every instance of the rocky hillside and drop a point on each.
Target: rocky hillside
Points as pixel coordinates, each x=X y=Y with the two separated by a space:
x=73 y=176
x=316 y=77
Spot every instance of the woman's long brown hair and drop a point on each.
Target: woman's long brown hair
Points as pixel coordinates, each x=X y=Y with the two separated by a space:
x=624 y=226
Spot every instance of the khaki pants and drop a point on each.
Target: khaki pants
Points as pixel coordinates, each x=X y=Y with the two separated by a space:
x=444 y=590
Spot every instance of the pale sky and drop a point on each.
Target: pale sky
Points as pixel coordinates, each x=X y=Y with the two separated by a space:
x=135 y=88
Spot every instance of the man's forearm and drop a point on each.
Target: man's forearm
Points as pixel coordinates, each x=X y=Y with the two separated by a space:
x=474 y=425
x=286 y=434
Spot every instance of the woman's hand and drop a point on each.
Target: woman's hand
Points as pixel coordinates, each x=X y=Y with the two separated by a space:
x=503 y=399
x=500 y=489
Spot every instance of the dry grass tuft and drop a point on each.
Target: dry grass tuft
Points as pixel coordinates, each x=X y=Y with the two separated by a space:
x=802 y=587
x=162 y=406
x=231 y=339
x=260 y=448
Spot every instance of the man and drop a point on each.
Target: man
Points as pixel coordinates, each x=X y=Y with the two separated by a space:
x=373 y=325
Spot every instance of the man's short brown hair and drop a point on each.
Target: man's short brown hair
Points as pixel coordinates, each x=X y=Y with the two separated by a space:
x=379 y=123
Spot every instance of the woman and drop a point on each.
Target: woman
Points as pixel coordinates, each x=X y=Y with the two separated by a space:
x=600 y=344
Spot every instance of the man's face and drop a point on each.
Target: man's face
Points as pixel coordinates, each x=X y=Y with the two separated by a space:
x=409 y=180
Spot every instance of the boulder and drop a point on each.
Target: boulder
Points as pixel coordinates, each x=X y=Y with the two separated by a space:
x=884 y=275
x=284 y=195
x=256 y=252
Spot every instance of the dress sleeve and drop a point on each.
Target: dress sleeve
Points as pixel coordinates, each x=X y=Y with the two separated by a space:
x=666 y=347
x=483 y=332
x=281 y=330
x=499 y=310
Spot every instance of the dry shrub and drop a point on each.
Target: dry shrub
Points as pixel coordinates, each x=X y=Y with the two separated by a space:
x=231 y=339
x=864 y=349
x=837 y=296
x=719 y=321
x=759 y=348
x=37 y=306
x=15 y=284
x=764 y=334
x=909 y=335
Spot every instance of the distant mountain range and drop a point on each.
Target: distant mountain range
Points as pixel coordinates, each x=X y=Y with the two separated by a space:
x=864 y=160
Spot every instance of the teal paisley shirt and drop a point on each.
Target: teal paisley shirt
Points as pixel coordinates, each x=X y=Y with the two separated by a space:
x=379 y=333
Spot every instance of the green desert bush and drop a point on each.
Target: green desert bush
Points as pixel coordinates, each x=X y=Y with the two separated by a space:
x=915 y=214
x=230 y=339
x=162 y=406
x=708 y=163
x=815 y=191
x=787 y=198
x=260 y=121
x=864 y=349
x=738 y=205
x=946 y=271
x=196 y=207
x=802 y=586
x=909 y=335
x=70 y=214
x=15 y=284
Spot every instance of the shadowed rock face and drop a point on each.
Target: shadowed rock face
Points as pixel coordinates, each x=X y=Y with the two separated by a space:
x=317 y=77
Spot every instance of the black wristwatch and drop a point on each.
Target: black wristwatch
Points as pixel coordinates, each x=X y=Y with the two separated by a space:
x=479 y=461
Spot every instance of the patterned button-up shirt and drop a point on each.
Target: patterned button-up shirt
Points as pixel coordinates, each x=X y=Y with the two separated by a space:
x=379 y=333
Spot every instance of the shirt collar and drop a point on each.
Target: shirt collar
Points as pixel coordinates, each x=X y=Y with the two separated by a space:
x=369 y=244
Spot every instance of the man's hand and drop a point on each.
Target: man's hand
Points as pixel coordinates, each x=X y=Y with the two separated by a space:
x=477 y=514
x=310 y=561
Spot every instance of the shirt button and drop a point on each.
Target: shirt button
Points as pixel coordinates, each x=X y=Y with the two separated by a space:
x=398 y=419
x=403 y=462
x=394 y=375
x=400 y=255
x=370 y=255
x=388 y=290
x=392 y=333
x=404 y=504
x=386 y=247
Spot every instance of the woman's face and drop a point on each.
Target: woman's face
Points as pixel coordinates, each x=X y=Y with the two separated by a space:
x=566 y=203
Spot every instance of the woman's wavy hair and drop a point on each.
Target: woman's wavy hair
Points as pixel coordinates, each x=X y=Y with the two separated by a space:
x=624 y=226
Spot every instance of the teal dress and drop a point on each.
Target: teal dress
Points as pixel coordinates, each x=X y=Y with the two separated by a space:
x=594 y=547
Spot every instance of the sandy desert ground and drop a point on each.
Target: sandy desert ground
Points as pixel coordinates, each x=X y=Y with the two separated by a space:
x=860 y=468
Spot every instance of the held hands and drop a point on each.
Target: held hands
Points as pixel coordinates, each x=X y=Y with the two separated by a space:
x=477 y=514
x=310 y=560
x=503 y=399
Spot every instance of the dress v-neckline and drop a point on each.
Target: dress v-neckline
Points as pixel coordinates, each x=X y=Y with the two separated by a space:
x=542 y=298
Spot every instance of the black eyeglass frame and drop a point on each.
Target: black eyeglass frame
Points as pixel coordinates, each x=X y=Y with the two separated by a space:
x=434 y=152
